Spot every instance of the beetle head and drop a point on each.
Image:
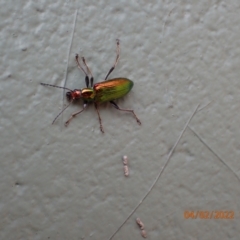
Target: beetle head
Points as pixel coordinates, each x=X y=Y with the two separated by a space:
x=73 y=95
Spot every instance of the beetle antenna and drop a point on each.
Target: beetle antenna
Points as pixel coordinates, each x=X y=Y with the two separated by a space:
x=46 y=84
x=61 y=112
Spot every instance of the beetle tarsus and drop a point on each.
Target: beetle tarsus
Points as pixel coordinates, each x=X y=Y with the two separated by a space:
x=138 y=121
x=101 y=128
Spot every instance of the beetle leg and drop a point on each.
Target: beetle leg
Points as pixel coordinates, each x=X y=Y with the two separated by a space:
x=126 y=110
x=99 y=118
x=75 y=114
x=89 y=71
x=116 y=61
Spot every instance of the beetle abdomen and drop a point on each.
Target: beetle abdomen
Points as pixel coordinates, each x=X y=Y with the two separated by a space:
x=112 y=89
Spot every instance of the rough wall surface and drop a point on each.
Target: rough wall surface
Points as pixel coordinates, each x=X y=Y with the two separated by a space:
x=68 y=183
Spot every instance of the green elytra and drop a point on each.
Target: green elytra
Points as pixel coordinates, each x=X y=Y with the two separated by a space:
x=106 y=91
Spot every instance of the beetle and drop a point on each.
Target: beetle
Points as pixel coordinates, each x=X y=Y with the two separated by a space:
x=106 y=91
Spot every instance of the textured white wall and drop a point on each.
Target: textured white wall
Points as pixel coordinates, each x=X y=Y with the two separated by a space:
x=68 y=183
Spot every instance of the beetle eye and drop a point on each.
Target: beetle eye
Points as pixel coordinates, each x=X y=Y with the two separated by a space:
x=69 y=96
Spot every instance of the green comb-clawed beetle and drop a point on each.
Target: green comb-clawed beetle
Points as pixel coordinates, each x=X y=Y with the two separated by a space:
x=106 y=91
